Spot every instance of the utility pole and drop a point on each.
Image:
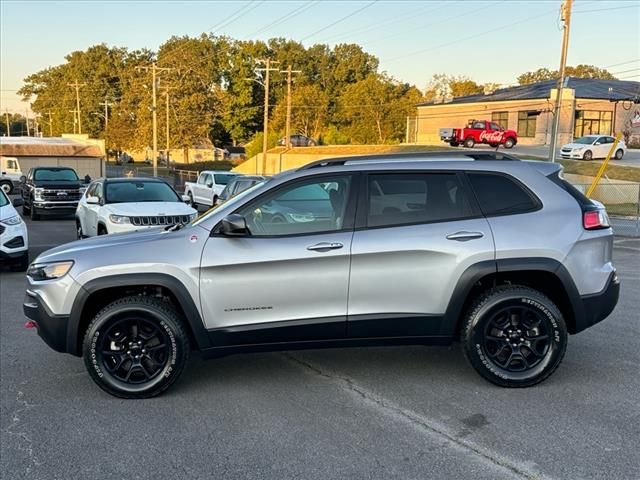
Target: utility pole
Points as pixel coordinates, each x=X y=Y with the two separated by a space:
x=75 y=121
x=267 y=69
x=154 y=73
x=77 y=86
x=289 y=73
x=566 y=18
x=106 y=104
x=166 y=100
x=26 y=121
x=50 y=124
x=6 y=118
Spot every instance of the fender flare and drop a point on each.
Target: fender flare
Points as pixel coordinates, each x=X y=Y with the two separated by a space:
x=176 y=287
x=479 y=270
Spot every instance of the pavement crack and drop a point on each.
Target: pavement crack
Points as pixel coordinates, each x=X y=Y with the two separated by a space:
x=416 y=420
x=16 y=423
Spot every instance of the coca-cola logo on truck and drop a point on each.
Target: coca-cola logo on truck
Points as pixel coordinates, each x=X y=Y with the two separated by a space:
x=491 y=137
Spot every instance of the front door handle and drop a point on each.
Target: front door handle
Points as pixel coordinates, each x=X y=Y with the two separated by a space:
x=324 y=246
x=464 y=236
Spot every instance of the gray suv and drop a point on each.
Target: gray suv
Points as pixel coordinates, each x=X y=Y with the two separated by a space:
x=408 y=249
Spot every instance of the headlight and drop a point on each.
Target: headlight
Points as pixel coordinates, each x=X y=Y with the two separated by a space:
x=578 y=149
x=48 y=271
x=119 y=219
x=37 y=193
x=11 y=220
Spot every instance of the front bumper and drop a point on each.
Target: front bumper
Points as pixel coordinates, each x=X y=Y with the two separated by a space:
x=569 y=155
x=599 y=306
x=71 y=206
x=51 y=328
x=10 y=250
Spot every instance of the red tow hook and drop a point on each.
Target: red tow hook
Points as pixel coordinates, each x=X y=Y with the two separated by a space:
x=30 y=324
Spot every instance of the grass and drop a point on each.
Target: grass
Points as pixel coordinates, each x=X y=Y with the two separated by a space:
x=622 y=209
x=617 y=172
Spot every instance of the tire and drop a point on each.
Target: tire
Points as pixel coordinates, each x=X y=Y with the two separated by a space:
x=532 y=355
x=33 y=214
x=149 y=343
x=509 y=142
x=25 y=210
x=7 y=187
x=493 y=145
x=619 y=154
x=192 y=204
x=588 y=155
x=469 y=142
x=22 y=264
x=102 y=230
x=454 y=144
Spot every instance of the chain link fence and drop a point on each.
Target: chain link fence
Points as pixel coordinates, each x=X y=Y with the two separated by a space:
x=623 y=205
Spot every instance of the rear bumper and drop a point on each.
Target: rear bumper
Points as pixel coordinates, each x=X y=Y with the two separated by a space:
x=599 y=306
x=51 y=328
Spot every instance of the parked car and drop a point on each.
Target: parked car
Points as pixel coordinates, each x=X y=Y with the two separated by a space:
x=117 y=205
x=10 y=174
x=479 y=131
x=298 y=141
x=14 y=240
x=400 y=249
x=208 y=187
x=593 y=146
x=51 y=189
x=238 y=185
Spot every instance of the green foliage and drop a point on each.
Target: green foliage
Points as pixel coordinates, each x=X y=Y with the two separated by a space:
x=254 y=147
x=333 y=136
x=443 y=87
x=579 y=71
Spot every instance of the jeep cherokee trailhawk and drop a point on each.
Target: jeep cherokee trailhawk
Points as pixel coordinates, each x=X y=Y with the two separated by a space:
x=406 y=249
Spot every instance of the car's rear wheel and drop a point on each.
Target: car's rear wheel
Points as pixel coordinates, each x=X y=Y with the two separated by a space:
x=619 y=154
x=79 y=232
x=6 y=187
x=588 y=155
x=469 y=142
x=136 y=347
x=33 y=213
x=514 y=336
x=102 y=230
x=454 y=144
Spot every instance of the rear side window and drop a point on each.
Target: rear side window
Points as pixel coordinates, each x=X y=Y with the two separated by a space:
x=501 y=195
x=570 y=189
x=403 y=199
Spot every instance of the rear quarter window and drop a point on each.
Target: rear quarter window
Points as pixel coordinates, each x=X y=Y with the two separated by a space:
x=500 y=194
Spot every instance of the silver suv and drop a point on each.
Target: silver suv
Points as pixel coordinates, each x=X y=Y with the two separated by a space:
x=412 y=249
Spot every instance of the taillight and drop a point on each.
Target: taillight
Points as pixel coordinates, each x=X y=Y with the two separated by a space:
x=595 y=219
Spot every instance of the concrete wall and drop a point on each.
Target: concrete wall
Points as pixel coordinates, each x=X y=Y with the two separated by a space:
x=92 y=166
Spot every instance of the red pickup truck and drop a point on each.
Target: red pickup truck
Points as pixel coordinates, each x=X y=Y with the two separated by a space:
x=479 y=131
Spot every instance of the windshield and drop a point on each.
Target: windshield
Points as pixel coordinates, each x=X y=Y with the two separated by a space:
x=584 y=140
x=224 y=178
x=3 y=199
x=55 y=175
x=231 y=203
x=125 y=192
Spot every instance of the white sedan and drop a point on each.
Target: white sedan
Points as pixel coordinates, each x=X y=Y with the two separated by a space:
x=130 y=204
x=593 y=146
x=14 y=241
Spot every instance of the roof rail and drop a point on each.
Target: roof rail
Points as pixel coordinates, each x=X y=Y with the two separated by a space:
x=413 y=156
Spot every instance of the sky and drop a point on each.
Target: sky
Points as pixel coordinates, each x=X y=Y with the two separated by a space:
x=488 y=41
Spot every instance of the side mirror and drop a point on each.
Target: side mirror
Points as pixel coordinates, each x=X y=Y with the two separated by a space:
x=93 y=200
x=23 y=179
x=234 y=225
x=209 y=184
x=597 y=143
x=18 y=202
x=186 y=199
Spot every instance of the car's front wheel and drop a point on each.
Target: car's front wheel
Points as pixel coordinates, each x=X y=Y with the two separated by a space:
x=588 y=155
x=6 y=187
x=514 y=336
x=509 y=142
x=136 y=347
x=619 y=154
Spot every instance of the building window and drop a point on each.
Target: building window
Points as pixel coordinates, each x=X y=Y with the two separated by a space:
x=527 y=123
x=501 y=118
x=592 y=122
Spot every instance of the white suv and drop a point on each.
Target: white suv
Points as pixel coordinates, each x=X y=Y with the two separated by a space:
x=14 y=242
x=129 y=204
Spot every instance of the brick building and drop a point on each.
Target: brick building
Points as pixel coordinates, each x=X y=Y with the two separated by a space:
x=589 y=106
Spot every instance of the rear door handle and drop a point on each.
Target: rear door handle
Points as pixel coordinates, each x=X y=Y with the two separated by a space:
x=324 y=246
x=464 y=236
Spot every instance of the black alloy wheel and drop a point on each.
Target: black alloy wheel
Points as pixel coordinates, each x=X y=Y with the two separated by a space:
x=136 y=347
x=514 y=336
x=619 y=154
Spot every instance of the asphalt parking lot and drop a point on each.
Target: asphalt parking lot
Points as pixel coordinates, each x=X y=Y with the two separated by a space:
x=400 y=412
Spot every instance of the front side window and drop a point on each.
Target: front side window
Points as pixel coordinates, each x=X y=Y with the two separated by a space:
x=202 y=179
x=501 y=195
x=312 y=206
x=402 y=199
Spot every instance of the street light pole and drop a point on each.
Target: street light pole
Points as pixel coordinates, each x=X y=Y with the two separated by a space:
x=566 y=18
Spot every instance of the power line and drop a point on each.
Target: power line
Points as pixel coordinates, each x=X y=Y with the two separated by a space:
x=606 y=9
x=342 y=19
x=623 y=63
x=284 y=18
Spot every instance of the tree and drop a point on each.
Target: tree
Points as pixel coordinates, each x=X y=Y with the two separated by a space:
x=463 y=86
x=579 y=71
x=443 y=87
x=309 y=111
